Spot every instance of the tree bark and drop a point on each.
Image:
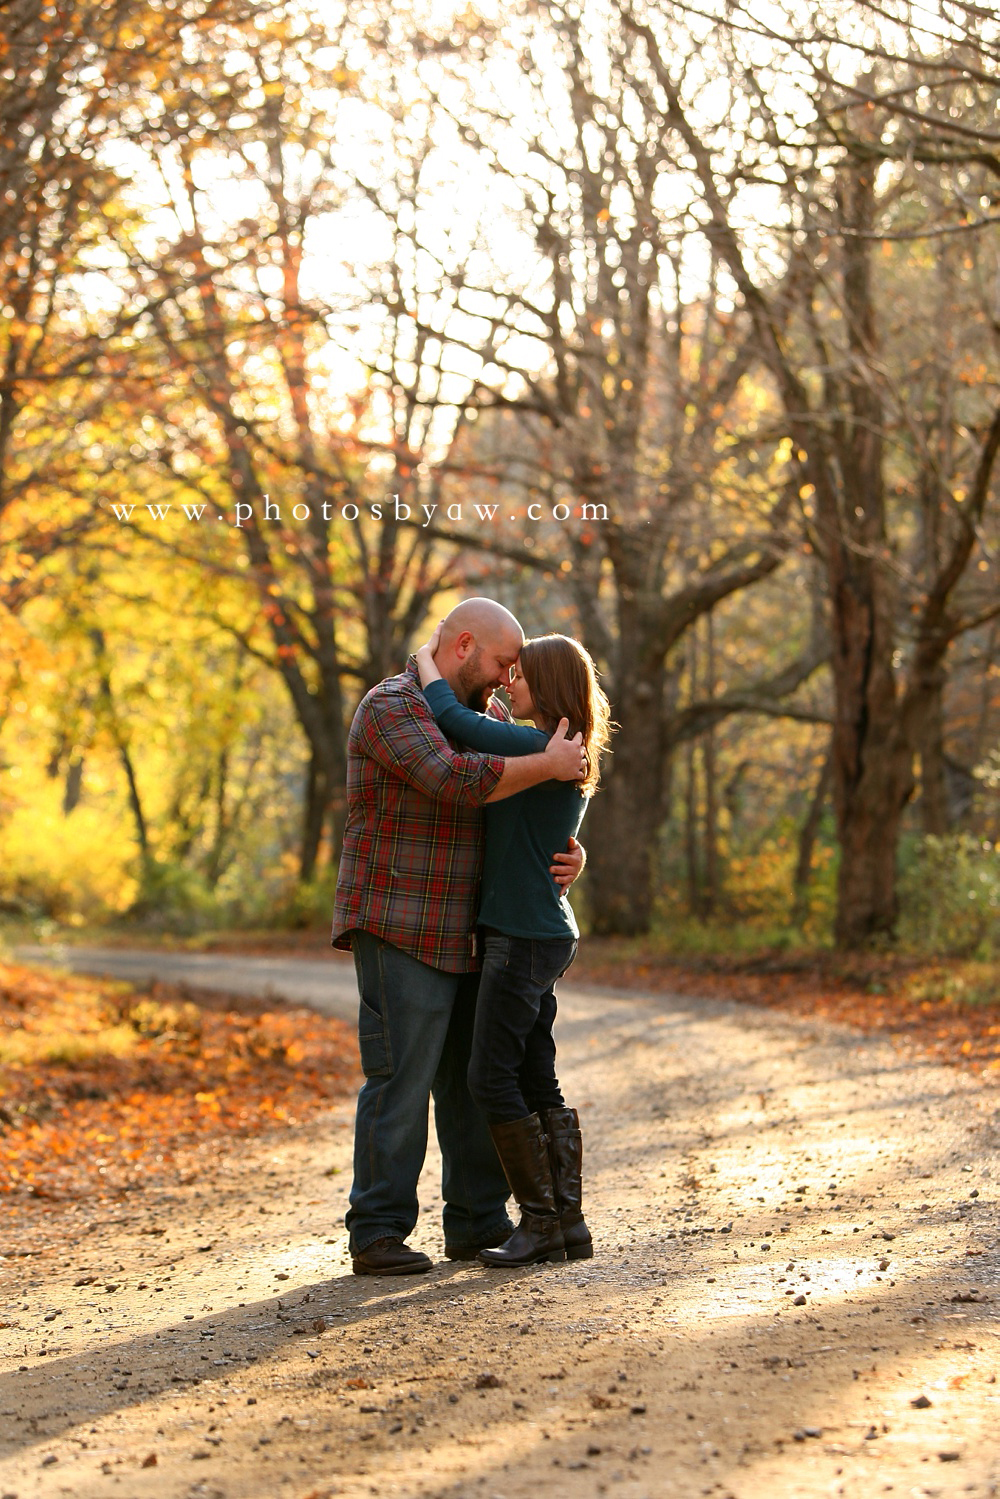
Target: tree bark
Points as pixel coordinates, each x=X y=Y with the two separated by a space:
x=622 y=828
x=135 y=803
x=316 y=806
x=73 y=785
x=807 y=839
x=710 y=894
x=691 y=869
x=120 y=738
x=934 y=815
x=870 y=763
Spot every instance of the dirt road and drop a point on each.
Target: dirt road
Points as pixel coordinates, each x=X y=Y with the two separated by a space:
x=324 y=983
x=795 y=1293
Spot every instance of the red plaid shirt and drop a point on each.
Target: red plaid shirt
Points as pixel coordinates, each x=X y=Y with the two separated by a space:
x=413 y=844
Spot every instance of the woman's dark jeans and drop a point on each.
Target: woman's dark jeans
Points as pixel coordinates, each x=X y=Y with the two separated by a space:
x=513 y=1068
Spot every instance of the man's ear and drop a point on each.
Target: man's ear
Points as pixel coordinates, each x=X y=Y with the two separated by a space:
x=465 y=643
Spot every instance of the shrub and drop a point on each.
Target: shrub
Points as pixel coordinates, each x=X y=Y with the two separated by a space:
x=949 y=894
x=175 y=898
x=64 y=867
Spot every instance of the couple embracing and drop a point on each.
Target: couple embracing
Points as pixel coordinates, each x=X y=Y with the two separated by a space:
x=459 y=848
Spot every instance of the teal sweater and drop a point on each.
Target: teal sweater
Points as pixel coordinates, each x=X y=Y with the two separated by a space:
x=520 y=897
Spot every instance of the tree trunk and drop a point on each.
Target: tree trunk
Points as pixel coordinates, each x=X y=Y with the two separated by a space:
x=807 y=840
x=870 y=760
x=934 y=817
x=866 y=884
x=691 y=869
x=710 y=896
x=315 y=806
x=135 y=802
x=73 y=786
x=118 y=734
x=622 y=828
x=213 y=861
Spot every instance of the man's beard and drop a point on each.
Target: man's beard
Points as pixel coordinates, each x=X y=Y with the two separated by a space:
x=477 y=693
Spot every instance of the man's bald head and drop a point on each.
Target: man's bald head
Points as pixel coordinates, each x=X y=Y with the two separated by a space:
x=480 y=641
x=489 y=622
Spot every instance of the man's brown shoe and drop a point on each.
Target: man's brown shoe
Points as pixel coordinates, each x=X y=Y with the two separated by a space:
x=389 y=1257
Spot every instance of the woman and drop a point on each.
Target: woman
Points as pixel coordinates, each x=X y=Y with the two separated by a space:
x=529 y=939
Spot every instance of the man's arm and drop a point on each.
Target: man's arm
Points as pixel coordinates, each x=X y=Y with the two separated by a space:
x=562 y=760
x=567 y=867
x=406 y=742
x=409 y=744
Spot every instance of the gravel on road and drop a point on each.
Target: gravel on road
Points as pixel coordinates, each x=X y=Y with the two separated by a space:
x=795 y=1293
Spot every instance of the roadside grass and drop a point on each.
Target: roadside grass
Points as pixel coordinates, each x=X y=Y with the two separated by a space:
x=948 y=1007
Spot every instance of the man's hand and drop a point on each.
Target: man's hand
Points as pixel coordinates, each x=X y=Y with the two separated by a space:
x=565 y=868
x=565 y=757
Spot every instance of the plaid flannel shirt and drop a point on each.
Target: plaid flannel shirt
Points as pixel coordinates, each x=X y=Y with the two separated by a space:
x=413 y=843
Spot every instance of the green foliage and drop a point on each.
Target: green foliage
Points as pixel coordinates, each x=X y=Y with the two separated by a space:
x=950 y=896
x=174 y=897
x=683 y=937
x=305 y=906
x=965 y=984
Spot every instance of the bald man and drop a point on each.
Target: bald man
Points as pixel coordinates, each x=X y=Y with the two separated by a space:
x=407 y=895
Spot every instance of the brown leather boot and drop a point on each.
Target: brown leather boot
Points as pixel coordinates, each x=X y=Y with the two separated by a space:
x=566 y=1156
x=523 y=1150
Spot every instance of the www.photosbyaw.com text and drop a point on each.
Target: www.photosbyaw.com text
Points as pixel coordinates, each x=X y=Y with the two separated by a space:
x=392 y=508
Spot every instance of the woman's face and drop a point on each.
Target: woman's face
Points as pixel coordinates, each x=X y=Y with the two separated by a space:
x=520 y=697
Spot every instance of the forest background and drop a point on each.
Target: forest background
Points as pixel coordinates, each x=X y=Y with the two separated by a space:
x=671 y=326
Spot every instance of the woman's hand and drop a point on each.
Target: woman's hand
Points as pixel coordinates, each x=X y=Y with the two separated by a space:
x=435 y=639
x=425 y=659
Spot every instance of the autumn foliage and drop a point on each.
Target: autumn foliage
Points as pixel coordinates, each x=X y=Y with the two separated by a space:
x=103 y=1088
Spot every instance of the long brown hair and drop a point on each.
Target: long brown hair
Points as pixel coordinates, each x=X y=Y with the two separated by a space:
x=562 y=680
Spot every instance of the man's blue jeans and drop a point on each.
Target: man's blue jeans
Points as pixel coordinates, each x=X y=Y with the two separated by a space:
x=415 y=1033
